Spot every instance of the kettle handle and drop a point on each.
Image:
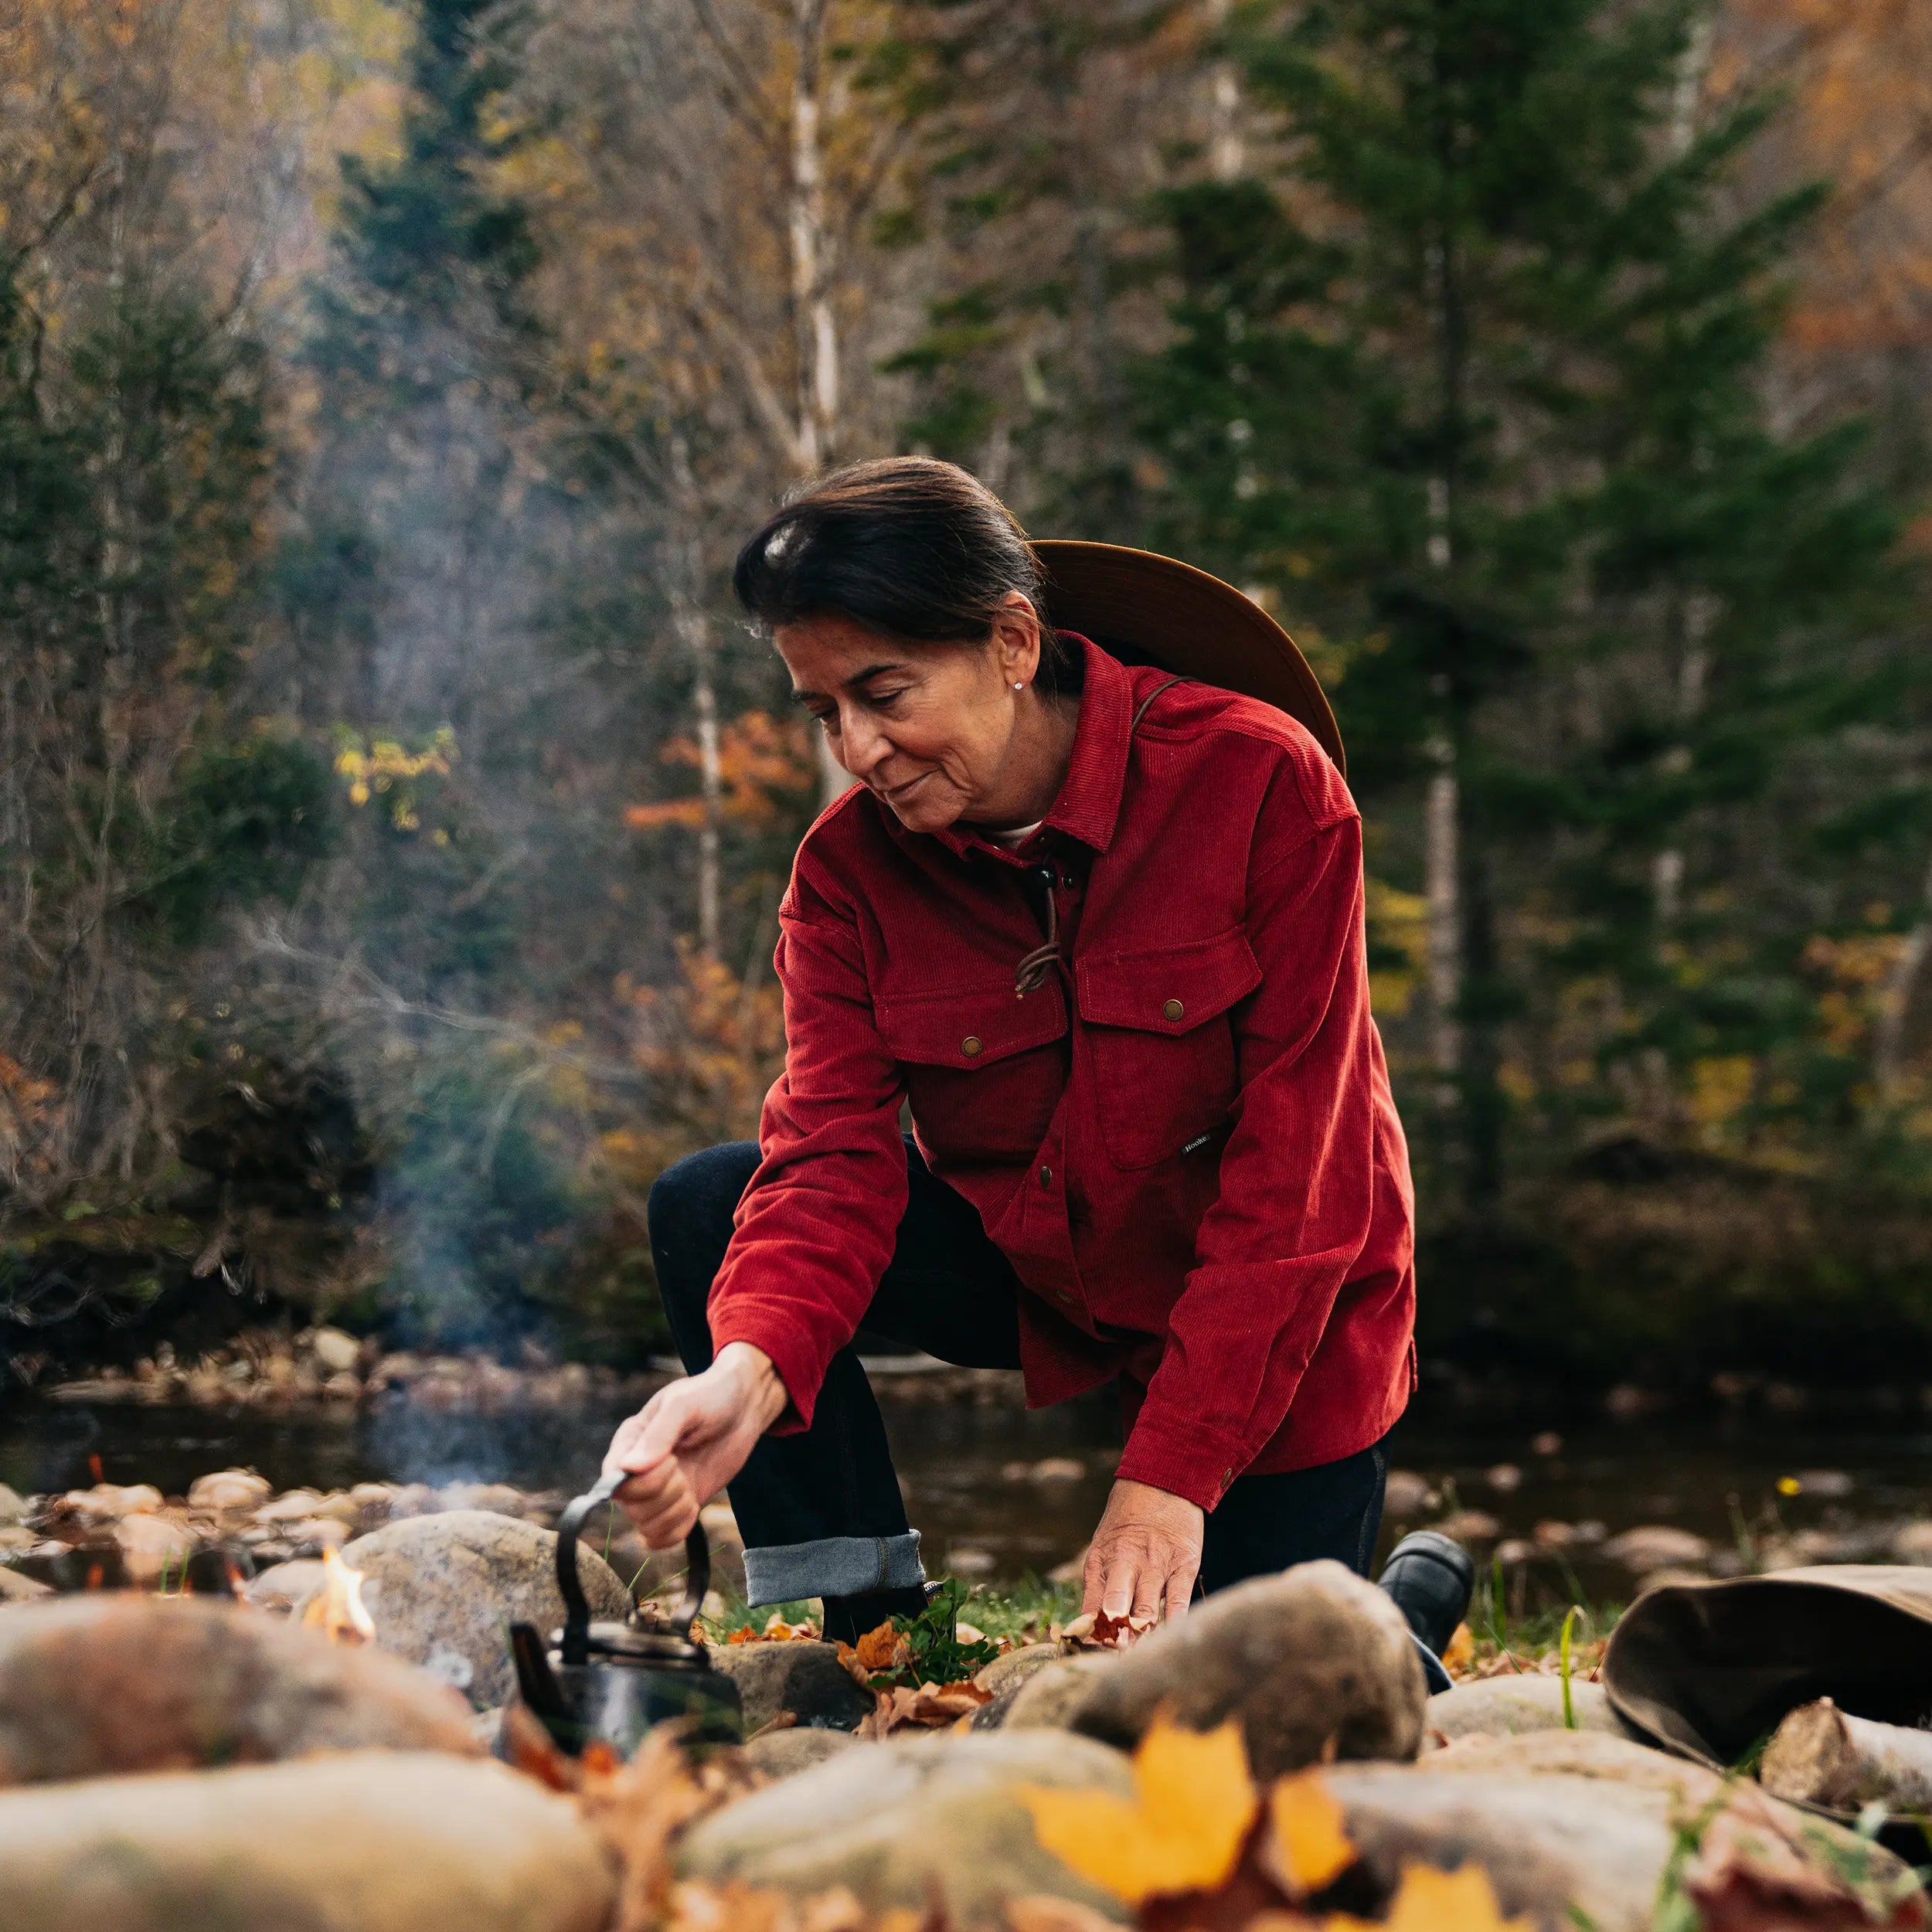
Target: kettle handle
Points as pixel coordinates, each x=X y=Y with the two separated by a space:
x=576 y=1646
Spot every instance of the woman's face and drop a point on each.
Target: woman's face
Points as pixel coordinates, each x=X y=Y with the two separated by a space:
x=936 y=731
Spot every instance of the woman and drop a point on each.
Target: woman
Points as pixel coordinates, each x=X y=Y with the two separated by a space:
x=1102 y=926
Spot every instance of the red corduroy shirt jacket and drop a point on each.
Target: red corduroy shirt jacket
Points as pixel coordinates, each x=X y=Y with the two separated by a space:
x=1184 y=1140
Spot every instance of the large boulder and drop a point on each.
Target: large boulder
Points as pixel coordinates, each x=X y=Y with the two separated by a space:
x=786 y=1753
x=1314 y=1662
x=930 y=1824
x=806 y=1679
x=444 y=1589
x=1510 y=1706
x=1575 y=1827
x=1006 y=1678
x=94 y=1685
x=365 y=1842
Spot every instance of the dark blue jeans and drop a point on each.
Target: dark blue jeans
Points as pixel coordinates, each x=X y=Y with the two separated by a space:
x=820 y=1512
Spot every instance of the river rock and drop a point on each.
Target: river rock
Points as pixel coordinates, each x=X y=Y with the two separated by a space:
x=368 y=1841
x=1406 y=1496
x=806 y=1679
x=17 y=1588
x=1567 y=1847
x=1005 y=1677
x=929 y=1824
x=1576 y=1827
x=151 y=1546
x=1657 y=1546
x=785 y=1753
x=282 y=1585
x=1052 y=1692
x=13 y=1507
x=1509 y=1706
x=1314 y=1661
x=225 y=1489
x=334 y=1350
x=98 y=1685
x=444 y=1589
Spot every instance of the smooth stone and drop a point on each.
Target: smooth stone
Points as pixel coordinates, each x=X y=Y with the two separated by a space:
x=928 y=1824
x=365 y=1842
x=1657 y=1546
x=229 y=1489
x=1048 y=1698
x=97 y=1685
x=336 y=1351
x=1511 y=1706
x=1006 y=1677
x=13 y=1507
x=785 y=1753
x=1576 y=1828
x=17 y=1588
x=1315 y=1663
x=282 y=1585
x=151 y=1546
x=443 y=1591
x=804 y=1678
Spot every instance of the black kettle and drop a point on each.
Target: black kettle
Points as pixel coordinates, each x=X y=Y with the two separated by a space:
x=609 y=1683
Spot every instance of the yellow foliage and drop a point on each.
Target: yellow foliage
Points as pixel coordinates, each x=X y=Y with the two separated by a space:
x=1182 y=1830
x=1310 y=1844
x=1397 y=921
x=1431 y=1901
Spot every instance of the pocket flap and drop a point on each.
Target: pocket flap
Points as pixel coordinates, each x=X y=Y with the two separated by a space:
x=1167 y=989
x=969 y=1028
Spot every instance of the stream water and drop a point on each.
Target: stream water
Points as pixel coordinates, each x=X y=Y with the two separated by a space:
x=974 y=1488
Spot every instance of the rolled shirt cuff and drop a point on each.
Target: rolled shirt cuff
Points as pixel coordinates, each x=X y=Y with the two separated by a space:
x=832 y=1567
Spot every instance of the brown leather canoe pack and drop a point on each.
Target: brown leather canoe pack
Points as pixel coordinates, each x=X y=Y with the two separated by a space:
x=1708 y=1670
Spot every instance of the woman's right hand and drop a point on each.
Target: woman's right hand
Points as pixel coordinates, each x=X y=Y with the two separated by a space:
x=691 y=1438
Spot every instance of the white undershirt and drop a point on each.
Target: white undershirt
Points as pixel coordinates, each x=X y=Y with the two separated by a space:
x=1016 y=837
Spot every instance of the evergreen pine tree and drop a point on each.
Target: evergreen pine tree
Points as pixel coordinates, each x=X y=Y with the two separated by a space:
x=1473 y=390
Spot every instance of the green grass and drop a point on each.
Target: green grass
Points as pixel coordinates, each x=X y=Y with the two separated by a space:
x=1022 y=1611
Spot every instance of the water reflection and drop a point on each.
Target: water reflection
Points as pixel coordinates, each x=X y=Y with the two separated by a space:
x=1000 y=1492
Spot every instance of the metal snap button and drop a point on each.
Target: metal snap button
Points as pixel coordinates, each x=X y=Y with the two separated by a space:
x=970 y=1045
x=1047 y=1176
x=1174 y=1009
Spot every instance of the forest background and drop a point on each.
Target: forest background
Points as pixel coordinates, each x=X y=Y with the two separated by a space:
x=394 y=810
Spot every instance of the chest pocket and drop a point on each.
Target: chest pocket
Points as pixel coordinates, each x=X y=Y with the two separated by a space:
x=1165 y=1069
x=984 y=1070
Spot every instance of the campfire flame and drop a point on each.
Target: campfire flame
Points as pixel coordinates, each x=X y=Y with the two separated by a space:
x=336 y=1609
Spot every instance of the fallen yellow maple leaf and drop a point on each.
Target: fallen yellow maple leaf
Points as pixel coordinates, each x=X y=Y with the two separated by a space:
x=1428 y=1900
x=1182 y=1831
x=1310 y=1847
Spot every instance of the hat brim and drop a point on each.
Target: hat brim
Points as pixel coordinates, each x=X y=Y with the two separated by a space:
x=1168 y=614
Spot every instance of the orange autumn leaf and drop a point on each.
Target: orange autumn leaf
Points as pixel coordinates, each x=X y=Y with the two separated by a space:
x=1182 y=1831
x=878 y=1649
x=1310 y=1845
x=1428 y=1900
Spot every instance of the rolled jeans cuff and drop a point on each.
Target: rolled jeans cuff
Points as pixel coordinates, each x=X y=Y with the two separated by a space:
x=832 y=1567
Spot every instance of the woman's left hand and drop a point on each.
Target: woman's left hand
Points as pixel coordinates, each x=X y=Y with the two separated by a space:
x=1144 y=1556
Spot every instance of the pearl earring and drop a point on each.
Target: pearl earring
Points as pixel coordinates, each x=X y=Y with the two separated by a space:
x=1019 y=687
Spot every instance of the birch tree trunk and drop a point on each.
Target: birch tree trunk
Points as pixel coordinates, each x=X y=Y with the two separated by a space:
x=1227 y=152
x=1695 y=612
x=694 y=631
x=1888 y=1045
x=814 y=323
x=1442 y=861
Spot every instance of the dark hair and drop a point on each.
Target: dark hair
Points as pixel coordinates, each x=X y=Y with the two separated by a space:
x=917 y=550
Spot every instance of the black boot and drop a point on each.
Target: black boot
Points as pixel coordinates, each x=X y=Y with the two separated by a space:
x=848 y=1618
x=1430 y=1577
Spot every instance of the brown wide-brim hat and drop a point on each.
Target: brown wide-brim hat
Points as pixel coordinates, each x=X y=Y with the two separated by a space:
x=1165 y=613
